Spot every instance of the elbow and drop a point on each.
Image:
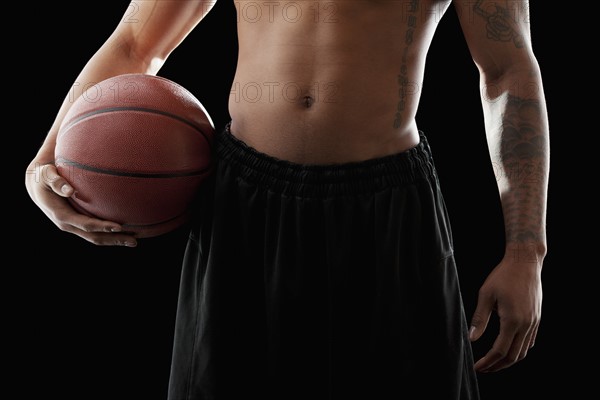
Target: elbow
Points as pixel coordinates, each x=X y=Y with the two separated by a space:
x=136 y=55
x=520 y=77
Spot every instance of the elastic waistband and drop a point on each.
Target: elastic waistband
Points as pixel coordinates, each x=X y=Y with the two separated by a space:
x=325 y=180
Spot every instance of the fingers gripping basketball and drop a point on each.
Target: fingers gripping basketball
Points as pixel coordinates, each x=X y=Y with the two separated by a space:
x=136 y=148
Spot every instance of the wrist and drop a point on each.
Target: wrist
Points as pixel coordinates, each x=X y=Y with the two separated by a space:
x=45 y=155
x=526 y=252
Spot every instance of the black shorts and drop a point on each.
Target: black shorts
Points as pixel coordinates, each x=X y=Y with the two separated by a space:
x=320 y=282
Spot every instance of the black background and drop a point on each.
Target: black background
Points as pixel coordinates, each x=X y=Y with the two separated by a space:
x=92 y=322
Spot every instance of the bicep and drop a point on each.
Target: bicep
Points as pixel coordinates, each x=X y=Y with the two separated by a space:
x=497 y=33
x=152 y=29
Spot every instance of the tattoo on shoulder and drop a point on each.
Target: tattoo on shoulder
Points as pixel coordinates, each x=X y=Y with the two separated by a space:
x=501 y=22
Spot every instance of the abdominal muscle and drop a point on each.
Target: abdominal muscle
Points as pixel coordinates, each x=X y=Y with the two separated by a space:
x=328 y=82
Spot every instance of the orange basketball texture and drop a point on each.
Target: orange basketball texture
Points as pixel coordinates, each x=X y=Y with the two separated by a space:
x=136 y=148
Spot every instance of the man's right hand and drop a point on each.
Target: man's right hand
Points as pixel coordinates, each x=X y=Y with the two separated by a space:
x=50 y=191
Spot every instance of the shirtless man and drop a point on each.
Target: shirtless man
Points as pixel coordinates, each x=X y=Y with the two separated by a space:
x=320 y=263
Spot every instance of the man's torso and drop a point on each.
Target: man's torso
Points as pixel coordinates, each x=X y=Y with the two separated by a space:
x=331 y=81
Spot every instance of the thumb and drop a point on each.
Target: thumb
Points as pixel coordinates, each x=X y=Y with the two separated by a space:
x=54 y=181
x=481 y=316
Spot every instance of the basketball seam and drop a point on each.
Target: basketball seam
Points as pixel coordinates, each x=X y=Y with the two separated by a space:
x=149 y=225
x=130 y=174
x=140 y=109
x=155 y=224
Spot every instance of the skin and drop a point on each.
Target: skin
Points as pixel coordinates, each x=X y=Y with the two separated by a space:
x=316 y=81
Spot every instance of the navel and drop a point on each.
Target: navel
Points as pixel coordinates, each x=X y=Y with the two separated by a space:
x=308 y=101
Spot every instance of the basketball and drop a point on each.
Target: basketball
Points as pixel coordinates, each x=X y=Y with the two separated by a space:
x=136 y=148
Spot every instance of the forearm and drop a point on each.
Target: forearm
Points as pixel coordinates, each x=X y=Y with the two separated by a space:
x=113 y=58
x=518 y=139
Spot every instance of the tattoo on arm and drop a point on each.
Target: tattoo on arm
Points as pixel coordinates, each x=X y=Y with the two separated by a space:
x=523 y=154
x=501 y=23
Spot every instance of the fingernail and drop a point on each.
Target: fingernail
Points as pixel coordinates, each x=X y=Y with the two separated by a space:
x=130 y=243
x=65 y=188
x=472 y=333
x=115 y=229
